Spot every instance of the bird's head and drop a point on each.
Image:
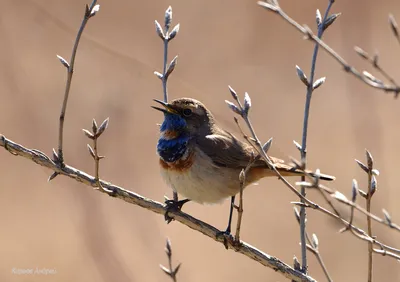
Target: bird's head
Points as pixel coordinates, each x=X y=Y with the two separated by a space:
x=185 y=114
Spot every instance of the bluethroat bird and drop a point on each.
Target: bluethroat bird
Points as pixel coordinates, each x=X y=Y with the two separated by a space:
x=201 y=161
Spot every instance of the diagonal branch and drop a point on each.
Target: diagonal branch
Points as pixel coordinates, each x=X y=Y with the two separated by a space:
x=305 y=30
x=154 y=206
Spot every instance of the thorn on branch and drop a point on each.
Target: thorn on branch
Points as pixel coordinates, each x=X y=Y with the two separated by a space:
x=94 y=10
x=387 y=217
x=363 y=54
x=91 y=152
x=52 y=176
x=233 y=93
x=374 y=185
x=88 y=134
x=159 y=75
x=247 y=103
x=174 y=32
x=94 y=126
x=171 y=66
x=362 y=166
x=102 y=127
x=394 y=26
x=268 y=6
x=159 y=30
x=302 y=76
x=168 y=18
x=314 y=240
x=354 y=191
x=298 y=146
x=94 y=136
x=318 y=18
x=233 y=107
x=330 y=20
x=319 y=82
x=63 y=61
x=267 y=145
x=362 y=193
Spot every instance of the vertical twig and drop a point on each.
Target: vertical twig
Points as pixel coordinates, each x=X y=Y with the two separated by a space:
x=166 y=36
x=322 y=25
x=170 y=271
x=168 y=19
x=372 y=186
x=242 y=178
x=370 y=193
x=273 y=6
x=313 y=246
x=256 y=143
x=97 y=131
x=89 y=12
x=370 y=245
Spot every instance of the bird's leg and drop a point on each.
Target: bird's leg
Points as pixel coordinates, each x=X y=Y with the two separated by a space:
x=227 y=232
x=228 y=228
x=172 y=205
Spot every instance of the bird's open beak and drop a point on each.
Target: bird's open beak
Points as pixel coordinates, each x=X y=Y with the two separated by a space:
x=167 y=107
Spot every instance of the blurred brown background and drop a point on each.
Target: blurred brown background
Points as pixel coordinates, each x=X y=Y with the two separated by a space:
x=87 y=236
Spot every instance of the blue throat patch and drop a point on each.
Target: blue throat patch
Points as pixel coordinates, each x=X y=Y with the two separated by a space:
x=171 y=150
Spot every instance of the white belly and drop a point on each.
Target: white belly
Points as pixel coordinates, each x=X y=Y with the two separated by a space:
x=203 y=182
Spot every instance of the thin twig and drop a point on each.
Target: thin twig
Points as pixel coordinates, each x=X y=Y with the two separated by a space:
x=94 y=136
x=335 y=210
x=316 y=252
x=170 y=271
x=337 y=195
x=342 y=199
x=313 y=247
x=310 y=36
x=255 y=142
x=383 y=248
x=353 y=206
x=394 y=27
x=374 y=61
x=166 y=37
x=89 y=12
x=242 y=178
x=349 y=224
x=168 y=13
x=370 y=193
x=130 y=197
x=361 y=234
x=370 y=247
x=303 y=152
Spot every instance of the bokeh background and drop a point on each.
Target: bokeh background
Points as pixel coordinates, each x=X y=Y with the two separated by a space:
x=87 y=236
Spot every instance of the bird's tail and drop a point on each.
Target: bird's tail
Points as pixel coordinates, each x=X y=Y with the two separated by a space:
x=287 y=170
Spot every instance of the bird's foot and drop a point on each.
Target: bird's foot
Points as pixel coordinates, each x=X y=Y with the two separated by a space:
x=226 y=235
x=172 y=205
x=228 y=239
x=110 y=192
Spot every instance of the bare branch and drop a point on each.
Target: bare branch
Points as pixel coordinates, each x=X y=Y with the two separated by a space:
x=310 y=36
x=154 y=206
x=89 y=12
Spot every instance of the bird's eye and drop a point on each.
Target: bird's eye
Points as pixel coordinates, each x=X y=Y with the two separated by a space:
x=187 y=112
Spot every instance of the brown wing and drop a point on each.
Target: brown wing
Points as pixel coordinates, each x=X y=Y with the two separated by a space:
x=227 y=151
